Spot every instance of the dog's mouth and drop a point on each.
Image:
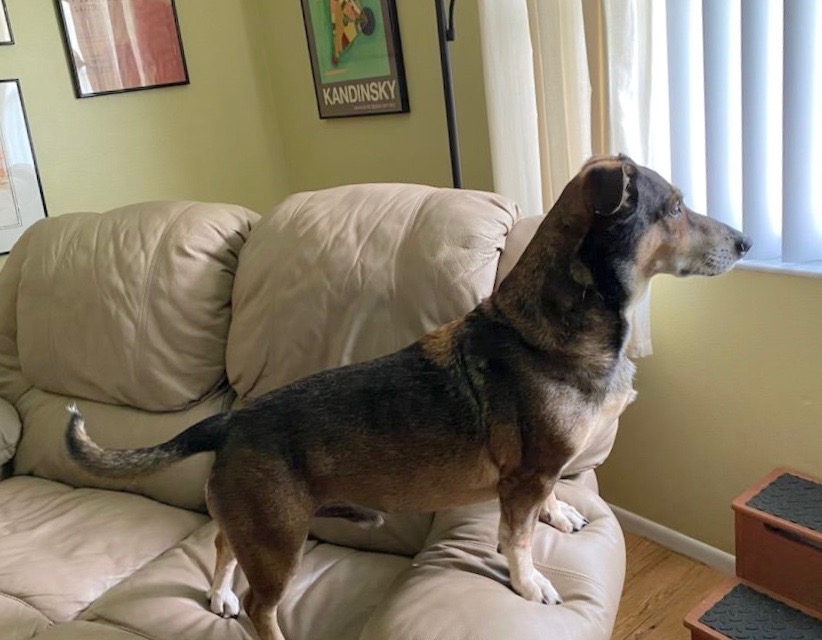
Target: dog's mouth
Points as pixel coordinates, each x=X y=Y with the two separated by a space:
x=706 y=247
x=716 y=261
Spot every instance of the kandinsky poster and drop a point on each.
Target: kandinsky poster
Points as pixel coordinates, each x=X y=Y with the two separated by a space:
x=356 y=57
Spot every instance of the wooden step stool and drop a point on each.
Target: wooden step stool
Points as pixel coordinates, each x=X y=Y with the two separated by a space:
x=777 y=594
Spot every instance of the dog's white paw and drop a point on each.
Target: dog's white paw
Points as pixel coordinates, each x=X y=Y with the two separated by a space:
x=538 y=588
x=549 y=594
x=224 y=603
x=563 y=517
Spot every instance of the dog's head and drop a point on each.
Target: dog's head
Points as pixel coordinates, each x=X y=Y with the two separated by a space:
x=640 y=225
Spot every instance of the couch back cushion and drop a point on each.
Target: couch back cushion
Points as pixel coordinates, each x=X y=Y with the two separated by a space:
x=130 y=307
x=127 y=312
x=353 y=273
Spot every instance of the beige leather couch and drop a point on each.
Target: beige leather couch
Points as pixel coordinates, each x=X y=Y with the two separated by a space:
x=157 y=315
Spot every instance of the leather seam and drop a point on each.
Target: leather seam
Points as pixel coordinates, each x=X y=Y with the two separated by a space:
x=325 y=570
x=356 y=262
x=14 y=339
x=569 y=574
x=28 y=606
x=402 y=236
x=52 y=289
x=563 y=572
x=149 y=287
x=252 y=387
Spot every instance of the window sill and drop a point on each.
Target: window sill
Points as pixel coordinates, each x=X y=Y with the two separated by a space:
x=804 y=269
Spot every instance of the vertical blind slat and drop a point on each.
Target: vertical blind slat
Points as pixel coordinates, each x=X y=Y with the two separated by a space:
x=801 y=235
x=761 y=149
x=723 y=109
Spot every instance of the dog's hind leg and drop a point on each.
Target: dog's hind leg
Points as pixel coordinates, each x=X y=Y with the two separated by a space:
x=266 y=526
x=270 y=560
x=520 y=504
x=561 y=515
x=222 y=599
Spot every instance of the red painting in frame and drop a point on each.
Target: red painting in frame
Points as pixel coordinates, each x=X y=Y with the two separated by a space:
x=114 y=46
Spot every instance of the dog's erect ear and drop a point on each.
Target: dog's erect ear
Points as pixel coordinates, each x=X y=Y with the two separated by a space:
x=610 y=186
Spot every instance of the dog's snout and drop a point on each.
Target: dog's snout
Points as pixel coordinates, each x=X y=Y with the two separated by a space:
x=743 y=244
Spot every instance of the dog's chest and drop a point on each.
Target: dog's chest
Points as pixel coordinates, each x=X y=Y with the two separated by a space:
x=578 y=416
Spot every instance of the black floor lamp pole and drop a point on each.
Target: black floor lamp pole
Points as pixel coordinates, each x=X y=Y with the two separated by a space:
x=446 y=35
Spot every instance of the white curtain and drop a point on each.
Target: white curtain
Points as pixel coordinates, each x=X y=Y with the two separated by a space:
x=510 y=92
x=634 y=47
x=563 y=91
x=590 y=77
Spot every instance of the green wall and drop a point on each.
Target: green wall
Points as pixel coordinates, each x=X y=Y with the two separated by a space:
x=409 y=147
x=215 y=139
x=733 y=390
x=246 y=130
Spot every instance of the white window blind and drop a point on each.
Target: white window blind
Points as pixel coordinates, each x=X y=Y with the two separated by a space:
x=745 y=85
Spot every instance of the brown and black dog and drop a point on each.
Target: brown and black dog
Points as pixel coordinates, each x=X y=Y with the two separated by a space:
x=490 y=405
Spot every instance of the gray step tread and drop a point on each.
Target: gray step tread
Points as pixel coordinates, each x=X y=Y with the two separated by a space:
x=792 y=498
x=746 y=614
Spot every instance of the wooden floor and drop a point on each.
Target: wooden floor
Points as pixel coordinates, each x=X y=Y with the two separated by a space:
x=660 y=588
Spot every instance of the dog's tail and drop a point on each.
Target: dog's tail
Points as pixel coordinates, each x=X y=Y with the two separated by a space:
x=206 y=435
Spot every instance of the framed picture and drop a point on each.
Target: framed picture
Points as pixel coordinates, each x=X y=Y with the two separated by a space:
x=356 y=57
x=5 y=25
x=21 y=195
x=114 y=46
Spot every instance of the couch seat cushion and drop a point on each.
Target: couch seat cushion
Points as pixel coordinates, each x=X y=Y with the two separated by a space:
x=331 y=597
x=457 y=588
x=19 y=620
x=61 y=548
x=81 y=630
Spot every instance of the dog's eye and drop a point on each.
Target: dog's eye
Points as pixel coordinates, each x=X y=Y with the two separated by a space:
x=676 y=210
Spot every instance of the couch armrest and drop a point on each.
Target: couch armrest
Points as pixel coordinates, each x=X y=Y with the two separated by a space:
x=9 y=434
x=458 y=587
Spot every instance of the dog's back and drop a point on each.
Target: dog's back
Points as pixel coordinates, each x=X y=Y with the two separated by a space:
x=383 y=434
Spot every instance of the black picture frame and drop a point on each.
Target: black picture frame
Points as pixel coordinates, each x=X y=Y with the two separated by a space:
x=4 y=15
x=398 y=103
x=41 y=210
x=75 y=71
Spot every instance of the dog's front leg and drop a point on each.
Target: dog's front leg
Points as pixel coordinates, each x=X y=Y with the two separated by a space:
x=561 y=515
x=520 y=505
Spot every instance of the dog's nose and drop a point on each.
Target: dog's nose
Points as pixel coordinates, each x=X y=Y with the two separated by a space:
x=743 y=245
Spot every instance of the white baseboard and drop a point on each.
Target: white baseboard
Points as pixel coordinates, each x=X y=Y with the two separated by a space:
x=675 y=541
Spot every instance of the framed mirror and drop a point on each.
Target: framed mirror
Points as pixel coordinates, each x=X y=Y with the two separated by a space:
x=5 y=26
x=21 y=193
